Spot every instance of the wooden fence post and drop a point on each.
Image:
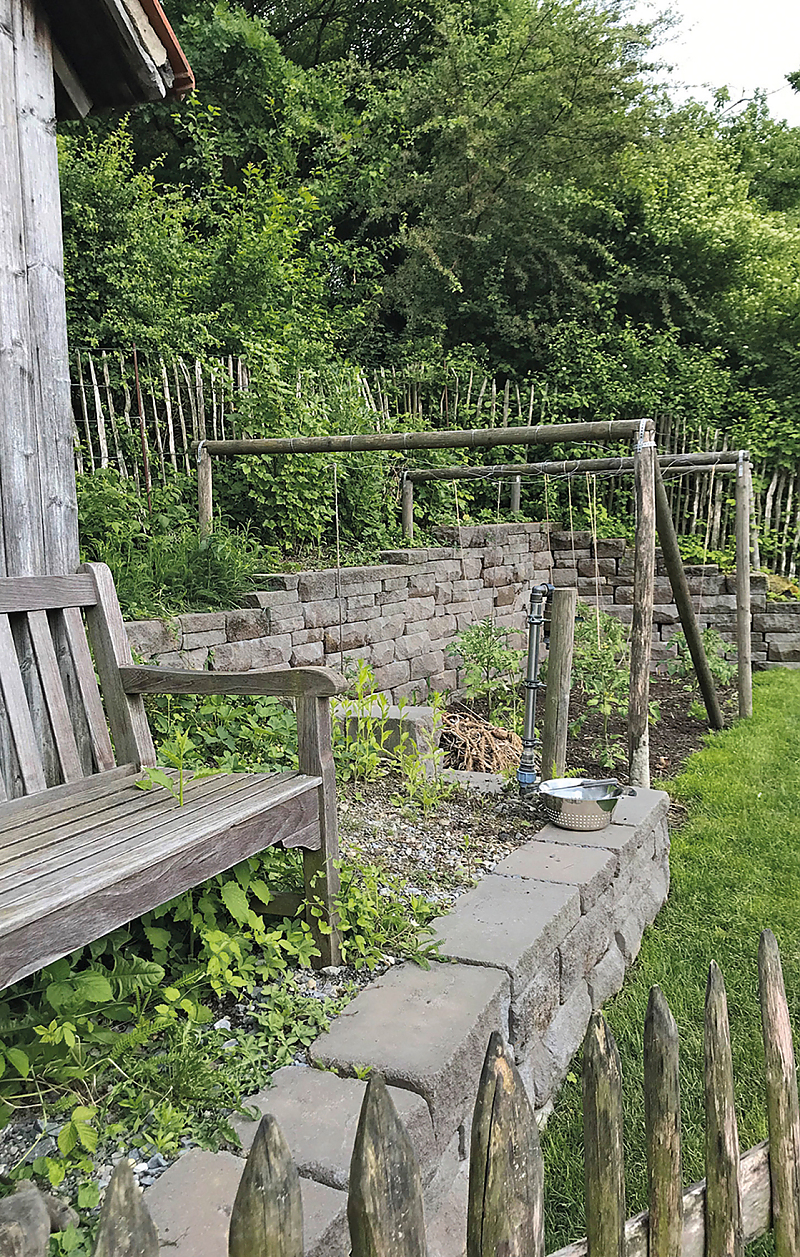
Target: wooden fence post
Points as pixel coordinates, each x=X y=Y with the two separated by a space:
x=126 y=1228
x=724 y=1234
x=516 y=495
x=782 y=1104
x=602 y=1142
x=384 y=1204
x=743 y=618
x=267 y=1215
x=662 y=1119
x=205 y=491
x=559 y=676
x=505 y=1213
x=642 y=628
x=407 y=508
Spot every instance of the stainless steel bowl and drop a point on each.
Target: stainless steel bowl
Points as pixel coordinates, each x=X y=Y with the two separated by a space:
x=579 y=802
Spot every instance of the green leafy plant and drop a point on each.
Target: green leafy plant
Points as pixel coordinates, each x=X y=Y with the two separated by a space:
x=723 y=670
x=491 y=665
x=601 y=675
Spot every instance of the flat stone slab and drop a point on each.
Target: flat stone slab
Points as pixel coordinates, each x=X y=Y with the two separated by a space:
x=425 y=1030
x=512 y=924
x=191 y=1206
x=318 y=1113
x=590 y=869
x=644 y=805
x=620 y=838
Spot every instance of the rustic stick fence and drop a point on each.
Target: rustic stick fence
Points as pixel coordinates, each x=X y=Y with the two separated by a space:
x=188 y=400
x=740 y=1198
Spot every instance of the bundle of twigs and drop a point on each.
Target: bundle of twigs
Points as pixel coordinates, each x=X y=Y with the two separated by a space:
x=472 y=744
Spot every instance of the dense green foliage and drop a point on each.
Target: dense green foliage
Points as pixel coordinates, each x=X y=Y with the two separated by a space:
x=735 y=871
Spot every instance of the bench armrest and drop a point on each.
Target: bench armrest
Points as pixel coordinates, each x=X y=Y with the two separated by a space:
x=280 y=682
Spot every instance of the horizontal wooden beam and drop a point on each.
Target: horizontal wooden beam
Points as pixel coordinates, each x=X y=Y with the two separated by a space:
x=469 y=438
x=670 y=464
x=279 y=682
x=46 y=593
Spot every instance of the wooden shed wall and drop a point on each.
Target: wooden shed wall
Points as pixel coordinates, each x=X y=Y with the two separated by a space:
x=38 y=512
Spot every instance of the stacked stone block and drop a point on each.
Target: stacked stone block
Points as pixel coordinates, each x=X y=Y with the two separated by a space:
x=401 y=616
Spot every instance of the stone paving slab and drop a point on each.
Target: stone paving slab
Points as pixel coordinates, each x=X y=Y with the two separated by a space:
x=508 y=923
x=424 y=1030
x=591 y=869
x=192 y=1201
x=648 y=805
x=318 y=1113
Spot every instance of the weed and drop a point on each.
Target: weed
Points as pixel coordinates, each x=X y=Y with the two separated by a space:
x=722 y=670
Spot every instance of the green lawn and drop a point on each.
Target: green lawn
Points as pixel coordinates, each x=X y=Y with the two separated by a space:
x=735 y=869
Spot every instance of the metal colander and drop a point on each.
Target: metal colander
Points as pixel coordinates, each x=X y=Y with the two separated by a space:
x=580 y=803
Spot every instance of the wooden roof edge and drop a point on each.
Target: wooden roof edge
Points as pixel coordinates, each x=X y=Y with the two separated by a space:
x=183 y=80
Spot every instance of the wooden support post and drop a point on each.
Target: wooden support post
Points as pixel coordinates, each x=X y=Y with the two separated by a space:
x=662 y=1120
x=683 y=599
x=559 y=675
x=642 y=628
x=407 y=508
x=205 y=501
x=724 y=1231
x=320 y=868
x=782 y=1104
x=743 y=619
x=516 y=495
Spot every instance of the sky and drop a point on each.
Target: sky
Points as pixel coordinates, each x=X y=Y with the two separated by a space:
x=744 y=44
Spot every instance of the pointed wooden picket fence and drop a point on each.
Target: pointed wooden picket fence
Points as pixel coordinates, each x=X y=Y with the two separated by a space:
x=739 y=1199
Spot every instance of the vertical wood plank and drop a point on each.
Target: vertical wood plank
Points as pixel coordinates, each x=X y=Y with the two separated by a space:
x=662 y=1118
x=39 y=460
x=126 y=715
x=86 y=684
x=602 y=1142
x=782 y=1103
x=54 y=696
x=744 y=664
x=559 y=679
x=320 y=868
x=505 y=1212
x=724 y=1235
x=642 y=628
x=18 y=712
x=384 y=1205
x=267 y=1215
x=112 y=418
x=126 y=1228
x=181 y=417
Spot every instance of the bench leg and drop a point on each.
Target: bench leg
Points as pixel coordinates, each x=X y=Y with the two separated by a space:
x=320 y=867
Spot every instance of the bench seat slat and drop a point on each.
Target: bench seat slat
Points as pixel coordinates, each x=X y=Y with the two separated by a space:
x=85 y=899
x=56 y=798
x=85 y=814
x=138 y=821
x=18 y=712
x=54 y=696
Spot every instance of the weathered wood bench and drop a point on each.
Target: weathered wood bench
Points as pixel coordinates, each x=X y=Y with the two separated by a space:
x=83 y=849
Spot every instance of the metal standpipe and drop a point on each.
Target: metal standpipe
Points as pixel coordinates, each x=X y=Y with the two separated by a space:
x=526 y=773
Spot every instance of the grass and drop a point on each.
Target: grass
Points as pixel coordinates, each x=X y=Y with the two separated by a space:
x=735 y=870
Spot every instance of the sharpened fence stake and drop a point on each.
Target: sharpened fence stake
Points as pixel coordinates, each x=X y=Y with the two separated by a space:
x=782 y=1104
x=662 y=1119
x=602 y=1142
x=724 y=1235
x=267 y=1215
x=384 y=1205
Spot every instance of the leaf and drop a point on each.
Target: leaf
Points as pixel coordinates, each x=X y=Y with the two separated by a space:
x=235 y=901
x=19 y=1060
x=157 y=937
x=88 y=1196
x=262 y=890
x=93 y=987
x=67 y=1139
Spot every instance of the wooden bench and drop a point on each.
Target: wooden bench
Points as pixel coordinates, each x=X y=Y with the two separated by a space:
x=83 y=849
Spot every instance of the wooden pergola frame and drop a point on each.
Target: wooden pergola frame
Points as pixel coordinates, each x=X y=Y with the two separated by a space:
x=737 y=461
x=644 y=471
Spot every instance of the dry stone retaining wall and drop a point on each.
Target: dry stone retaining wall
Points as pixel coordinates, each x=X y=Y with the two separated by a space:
x=400 y=616
x=539 y=943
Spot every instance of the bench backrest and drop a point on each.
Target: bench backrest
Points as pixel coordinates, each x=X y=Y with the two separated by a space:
x=57 y=725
